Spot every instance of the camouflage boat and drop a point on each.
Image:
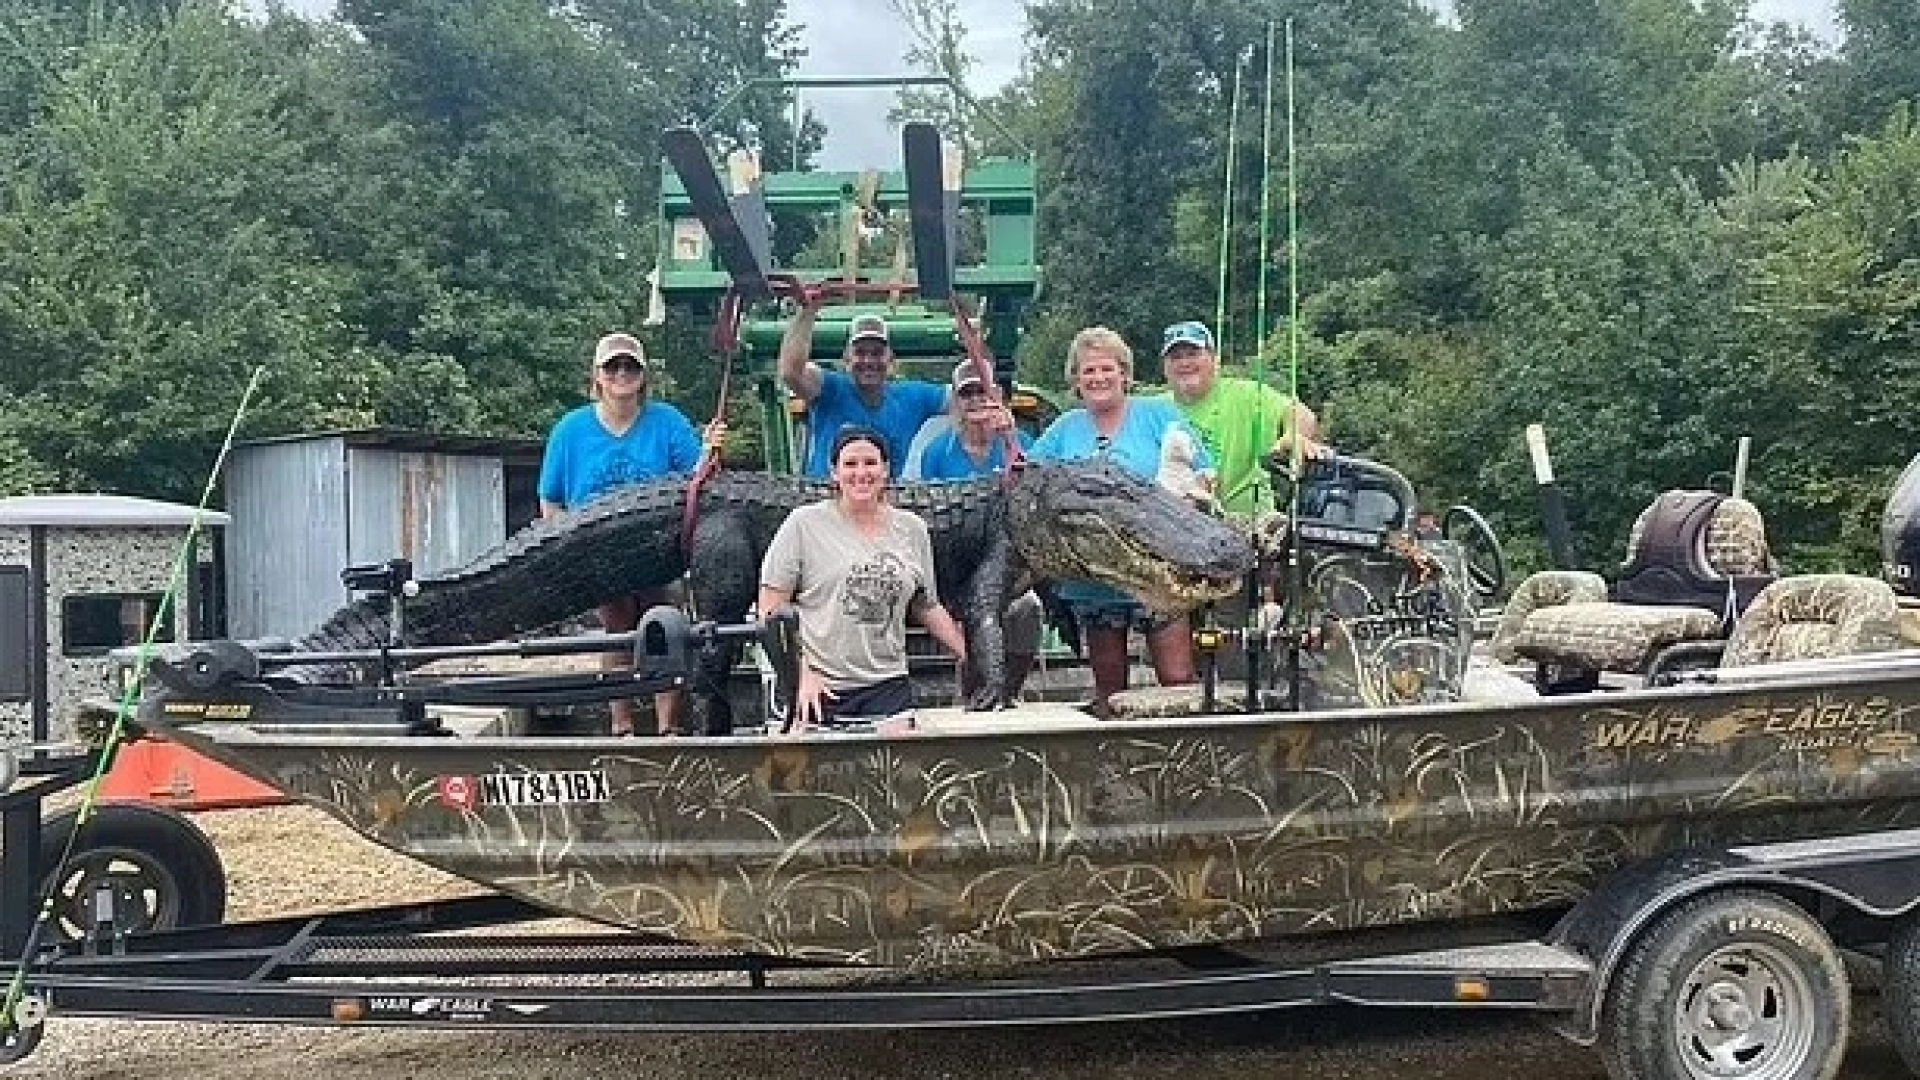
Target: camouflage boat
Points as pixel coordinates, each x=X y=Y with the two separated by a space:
x=1040 y=832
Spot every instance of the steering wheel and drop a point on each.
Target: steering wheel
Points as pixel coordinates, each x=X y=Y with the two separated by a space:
x=1486 y=563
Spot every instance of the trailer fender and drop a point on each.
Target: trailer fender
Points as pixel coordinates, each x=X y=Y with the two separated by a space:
x=1876 y=875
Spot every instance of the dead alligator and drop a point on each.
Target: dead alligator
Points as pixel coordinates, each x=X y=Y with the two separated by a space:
x=991 y=539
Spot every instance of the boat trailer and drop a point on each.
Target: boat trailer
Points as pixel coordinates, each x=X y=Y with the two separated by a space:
x=1751 y=929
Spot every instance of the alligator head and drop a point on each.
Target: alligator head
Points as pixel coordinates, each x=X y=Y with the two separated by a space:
x=1095 y=521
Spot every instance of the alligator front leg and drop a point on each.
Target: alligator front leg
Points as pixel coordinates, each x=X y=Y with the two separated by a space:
x=983 y=604
x=723 y=573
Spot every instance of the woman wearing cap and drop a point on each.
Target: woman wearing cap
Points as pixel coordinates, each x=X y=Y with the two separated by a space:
x=975 y=444
x=855 y=568
x=621 y=437
x=1133 y=432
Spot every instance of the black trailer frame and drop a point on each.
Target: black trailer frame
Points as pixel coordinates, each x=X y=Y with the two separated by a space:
x=421 y=965
x=400 y=966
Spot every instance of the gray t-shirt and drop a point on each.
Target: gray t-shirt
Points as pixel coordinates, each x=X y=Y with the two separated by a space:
x=853 y=590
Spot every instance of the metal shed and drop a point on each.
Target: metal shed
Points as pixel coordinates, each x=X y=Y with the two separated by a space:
x=81 y=575
x=305 y=506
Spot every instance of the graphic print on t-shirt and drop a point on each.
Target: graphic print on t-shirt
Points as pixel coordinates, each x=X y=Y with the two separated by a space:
x=616 y=468
x=873 y=588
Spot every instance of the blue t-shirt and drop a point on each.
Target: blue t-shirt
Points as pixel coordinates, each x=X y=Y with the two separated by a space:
x=906 y=404
x=946 y=458
x=1135 y=447
x=585 y=460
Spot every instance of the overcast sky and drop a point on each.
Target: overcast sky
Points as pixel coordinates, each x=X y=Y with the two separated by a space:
x=862 y=37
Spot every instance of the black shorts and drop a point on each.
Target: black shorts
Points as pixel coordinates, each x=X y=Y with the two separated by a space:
x=869 y=703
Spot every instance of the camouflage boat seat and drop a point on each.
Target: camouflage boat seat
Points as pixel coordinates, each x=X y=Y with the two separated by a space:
x=1695 y=560
x=1815 y=617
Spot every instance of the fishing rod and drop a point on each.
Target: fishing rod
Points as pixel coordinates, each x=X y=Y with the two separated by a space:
x=1223 y=332
x=1296 y=567
x=1209 y=635
x=89 y=798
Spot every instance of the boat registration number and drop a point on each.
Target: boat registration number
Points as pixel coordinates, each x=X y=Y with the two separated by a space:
x=545 y=788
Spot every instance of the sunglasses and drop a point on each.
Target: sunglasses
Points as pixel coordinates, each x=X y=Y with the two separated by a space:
x=622 y=365
x=970 y=392
x=869 y=352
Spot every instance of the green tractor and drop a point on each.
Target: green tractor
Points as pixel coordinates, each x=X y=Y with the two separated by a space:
x=944 y=250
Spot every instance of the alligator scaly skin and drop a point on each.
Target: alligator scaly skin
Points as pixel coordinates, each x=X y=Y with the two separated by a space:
x=984 y=552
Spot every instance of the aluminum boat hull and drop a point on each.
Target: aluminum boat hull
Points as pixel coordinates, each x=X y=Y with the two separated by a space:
x=1038 y=834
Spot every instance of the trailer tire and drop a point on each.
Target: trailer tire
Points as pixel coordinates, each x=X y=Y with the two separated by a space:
x=1900 y=991
x=1733 y=984
x=162 y=868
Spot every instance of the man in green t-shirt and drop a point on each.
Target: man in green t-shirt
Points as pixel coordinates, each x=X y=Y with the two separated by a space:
x=1240 y=419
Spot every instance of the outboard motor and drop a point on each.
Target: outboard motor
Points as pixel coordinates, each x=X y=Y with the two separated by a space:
x=1900 y=533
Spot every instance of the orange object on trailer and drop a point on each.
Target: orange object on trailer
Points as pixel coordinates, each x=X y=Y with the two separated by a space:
x=152 y=770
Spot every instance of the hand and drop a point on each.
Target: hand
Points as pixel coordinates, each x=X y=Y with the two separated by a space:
x=807 y=701
x=1311 y=449
x=1002 y=420
x=806 y=298
x=716 y=436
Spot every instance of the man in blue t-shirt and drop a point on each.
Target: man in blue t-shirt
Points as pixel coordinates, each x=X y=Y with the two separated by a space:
x=865 y=394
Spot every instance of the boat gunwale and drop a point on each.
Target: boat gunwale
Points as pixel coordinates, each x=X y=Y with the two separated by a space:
x=1846 y=672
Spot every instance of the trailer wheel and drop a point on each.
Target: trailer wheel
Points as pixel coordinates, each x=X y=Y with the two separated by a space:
x=1900 y=991
x=1734 y=984
x=161 y=869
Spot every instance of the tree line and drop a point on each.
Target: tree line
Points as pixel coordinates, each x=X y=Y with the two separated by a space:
x=1651 y=225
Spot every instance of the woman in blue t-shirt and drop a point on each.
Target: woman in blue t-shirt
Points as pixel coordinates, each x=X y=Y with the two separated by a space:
x=976 y=444
x=619 y=438
x=1132 y=432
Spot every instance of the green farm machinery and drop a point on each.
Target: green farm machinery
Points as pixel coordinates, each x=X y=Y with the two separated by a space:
x=943 y=249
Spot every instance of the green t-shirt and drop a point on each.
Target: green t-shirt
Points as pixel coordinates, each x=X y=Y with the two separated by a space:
x=1241 y=420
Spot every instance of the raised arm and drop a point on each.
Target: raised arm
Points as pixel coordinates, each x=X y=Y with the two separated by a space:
x=797 y=368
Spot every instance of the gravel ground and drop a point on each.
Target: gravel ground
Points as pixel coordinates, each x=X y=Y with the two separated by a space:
x=286 y=860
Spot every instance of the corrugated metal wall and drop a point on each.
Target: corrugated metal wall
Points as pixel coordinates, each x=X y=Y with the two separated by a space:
x=437 y=509
x=304 y=509
x=288 y=536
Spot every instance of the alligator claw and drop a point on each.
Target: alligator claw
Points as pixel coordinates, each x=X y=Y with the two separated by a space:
x=986 y=699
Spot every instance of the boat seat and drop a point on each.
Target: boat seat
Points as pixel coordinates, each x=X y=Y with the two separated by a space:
x=1605 y=636
x=1694 y=562
x=1815 y=617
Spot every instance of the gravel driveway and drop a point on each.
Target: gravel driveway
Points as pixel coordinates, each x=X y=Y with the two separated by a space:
x=286 y=860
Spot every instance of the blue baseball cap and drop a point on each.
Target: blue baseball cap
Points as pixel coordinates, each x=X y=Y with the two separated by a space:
x=1191 y=332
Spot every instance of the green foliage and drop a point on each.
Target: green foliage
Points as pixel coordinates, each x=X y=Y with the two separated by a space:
x=1650 y=225
x=421 y=217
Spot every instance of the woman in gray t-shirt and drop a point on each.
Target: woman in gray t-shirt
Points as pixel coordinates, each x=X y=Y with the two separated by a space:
x=855 y=568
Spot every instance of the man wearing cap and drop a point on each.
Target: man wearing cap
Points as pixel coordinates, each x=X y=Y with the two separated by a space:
x=621 y=437
x=864 y=394
x=1241 y=420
